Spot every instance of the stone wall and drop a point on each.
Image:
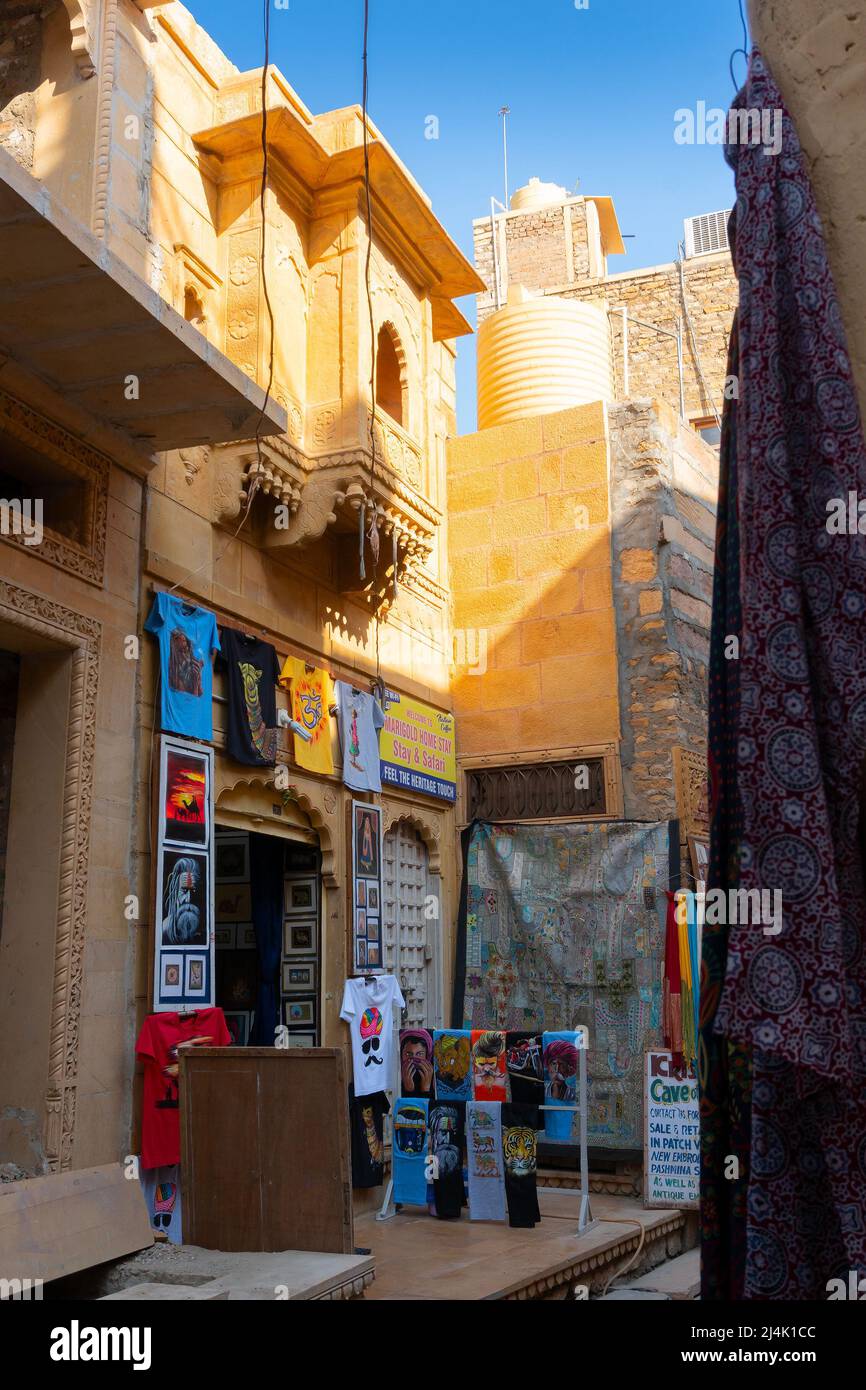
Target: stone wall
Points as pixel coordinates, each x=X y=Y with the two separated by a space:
x=543 y=249
x=529 y=543
x=817 y=55
x=663 y=486
x=20 y=71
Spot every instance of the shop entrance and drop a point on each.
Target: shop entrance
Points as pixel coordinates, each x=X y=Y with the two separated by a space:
x=412 y=924
x=268 y=897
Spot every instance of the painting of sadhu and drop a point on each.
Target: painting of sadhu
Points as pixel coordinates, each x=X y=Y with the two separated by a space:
x=489 y=1081
x=186 y=794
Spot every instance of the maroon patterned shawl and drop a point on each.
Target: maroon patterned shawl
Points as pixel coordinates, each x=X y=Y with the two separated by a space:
x=798 y=999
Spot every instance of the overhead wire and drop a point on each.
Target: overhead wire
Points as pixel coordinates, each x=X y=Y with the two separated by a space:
x=374 y=521
x=255 y=482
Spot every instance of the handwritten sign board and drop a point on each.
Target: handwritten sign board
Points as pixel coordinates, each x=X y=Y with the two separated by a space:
x=672 y=1142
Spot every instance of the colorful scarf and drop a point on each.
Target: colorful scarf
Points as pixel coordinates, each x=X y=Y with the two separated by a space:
x=787 y=741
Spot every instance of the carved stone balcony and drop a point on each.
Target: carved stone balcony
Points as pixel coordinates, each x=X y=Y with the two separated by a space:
x=340 y=493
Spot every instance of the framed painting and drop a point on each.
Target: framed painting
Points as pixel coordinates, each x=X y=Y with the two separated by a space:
x=232 y=858
x=300 y=897
x=299 y=977
x=182 y=886
x=299 y=938
x=233 y=903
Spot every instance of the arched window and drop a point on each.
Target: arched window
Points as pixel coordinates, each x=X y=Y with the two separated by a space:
x=390 y=385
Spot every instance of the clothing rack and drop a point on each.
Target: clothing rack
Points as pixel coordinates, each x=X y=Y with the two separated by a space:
x=586 y=1221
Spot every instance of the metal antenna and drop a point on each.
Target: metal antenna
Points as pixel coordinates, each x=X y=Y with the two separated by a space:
x=505 y=112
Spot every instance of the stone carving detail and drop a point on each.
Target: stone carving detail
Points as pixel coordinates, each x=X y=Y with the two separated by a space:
x=80 y=26
x=325 y=427
x=86 y=561
x=690 y=775
x=41 y=615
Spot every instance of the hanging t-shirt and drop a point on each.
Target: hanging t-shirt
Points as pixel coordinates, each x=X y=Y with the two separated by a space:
x=416 y=1062
x=560 y=1081
x=485 y=1161
x=452 y=1063
x=361 y=718
x=187 y=637
x=523 y=1061
x=488 y=1065
x=366 y=1115
x=519 y=1150
x=369 y=1011
x=312 y=697
x=252 y=672
x=445 y=1123
x=161 y=1188
x=409 y=1153
x=157 y=1047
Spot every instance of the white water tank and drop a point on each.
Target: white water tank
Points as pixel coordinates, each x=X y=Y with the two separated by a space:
x=536 y=356
x=536 y=194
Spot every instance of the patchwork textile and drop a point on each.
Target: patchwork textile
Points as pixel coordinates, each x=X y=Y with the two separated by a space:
x=564 y=926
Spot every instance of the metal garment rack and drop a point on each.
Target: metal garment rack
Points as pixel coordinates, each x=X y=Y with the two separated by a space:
x=388 y=1208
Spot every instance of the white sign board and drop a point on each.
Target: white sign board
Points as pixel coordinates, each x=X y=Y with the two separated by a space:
x=672 y=1142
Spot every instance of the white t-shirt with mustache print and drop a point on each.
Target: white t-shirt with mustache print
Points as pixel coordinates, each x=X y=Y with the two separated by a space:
x=369 y=1011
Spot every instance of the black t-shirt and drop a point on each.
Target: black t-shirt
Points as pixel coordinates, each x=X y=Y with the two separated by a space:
x=523 y=1061
x=446 y=1124
x=520 y=1150
x=252 y=672
x=366 y=1114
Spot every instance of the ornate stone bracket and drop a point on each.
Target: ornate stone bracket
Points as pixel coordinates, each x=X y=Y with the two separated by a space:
x=83 y=44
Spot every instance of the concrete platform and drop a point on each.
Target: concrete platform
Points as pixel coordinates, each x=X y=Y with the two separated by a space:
x=188 y=1273
x=420 y=1258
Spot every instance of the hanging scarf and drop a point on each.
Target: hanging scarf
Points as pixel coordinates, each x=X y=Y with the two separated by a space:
x=796 y=1000
x=672 y=1026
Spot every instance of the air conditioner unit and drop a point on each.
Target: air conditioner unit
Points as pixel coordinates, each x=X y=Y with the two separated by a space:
x=708 y=232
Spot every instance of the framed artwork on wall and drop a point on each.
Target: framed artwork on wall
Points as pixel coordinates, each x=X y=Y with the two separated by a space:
x=366 y=890
x=233 y=903
x=232 y=858
x=301 y=897
x=183 y=884
x=299 y=977
x=299 y=938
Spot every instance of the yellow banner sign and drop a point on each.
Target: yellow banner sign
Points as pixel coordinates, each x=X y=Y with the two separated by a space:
x=417 y=748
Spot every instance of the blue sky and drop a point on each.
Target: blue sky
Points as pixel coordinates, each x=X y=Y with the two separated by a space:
x=592 y=94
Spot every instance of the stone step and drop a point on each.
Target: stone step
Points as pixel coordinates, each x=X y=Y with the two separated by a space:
x=679 y=1278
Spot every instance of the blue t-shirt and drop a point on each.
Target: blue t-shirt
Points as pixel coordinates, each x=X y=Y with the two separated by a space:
x=187 y=638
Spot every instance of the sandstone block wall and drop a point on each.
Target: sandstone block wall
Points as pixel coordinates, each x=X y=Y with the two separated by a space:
x=664 y=480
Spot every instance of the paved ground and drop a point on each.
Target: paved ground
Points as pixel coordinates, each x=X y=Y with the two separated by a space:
x=418 y=1257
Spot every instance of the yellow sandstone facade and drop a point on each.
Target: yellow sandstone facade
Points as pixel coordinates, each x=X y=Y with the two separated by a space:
x=142 y=137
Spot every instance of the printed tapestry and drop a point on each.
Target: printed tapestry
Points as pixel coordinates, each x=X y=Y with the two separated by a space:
x=564 y=926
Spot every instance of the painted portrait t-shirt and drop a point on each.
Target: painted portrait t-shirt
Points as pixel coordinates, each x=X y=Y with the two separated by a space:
x=361 y=718
x=187 y=638
x=366 y=1117
x=157 y=1045
x=519 y=1152
x=560 y=1082
x=452 y=1063
x=368 y=1008
x=252 y=673
x=416 y=1062
x=523 y=1061
x=445 y=1125
x=488 y=1065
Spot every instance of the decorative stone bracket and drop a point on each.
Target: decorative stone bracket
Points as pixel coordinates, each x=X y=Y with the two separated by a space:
x=81 y=25
x=314 y=495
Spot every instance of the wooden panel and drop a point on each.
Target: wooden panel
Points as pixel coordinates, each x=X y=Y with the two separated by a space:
x=265 y=1149
x=65 y=1222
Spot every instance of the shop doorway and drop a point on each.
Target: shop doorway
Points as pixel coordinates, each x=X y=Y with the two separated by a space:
x=268 y=895
x=413 y=934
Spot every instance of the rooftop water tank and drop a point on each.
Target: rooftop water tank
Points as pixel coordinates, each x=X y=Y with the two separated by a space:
x=536 y=194
x=536 y=356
